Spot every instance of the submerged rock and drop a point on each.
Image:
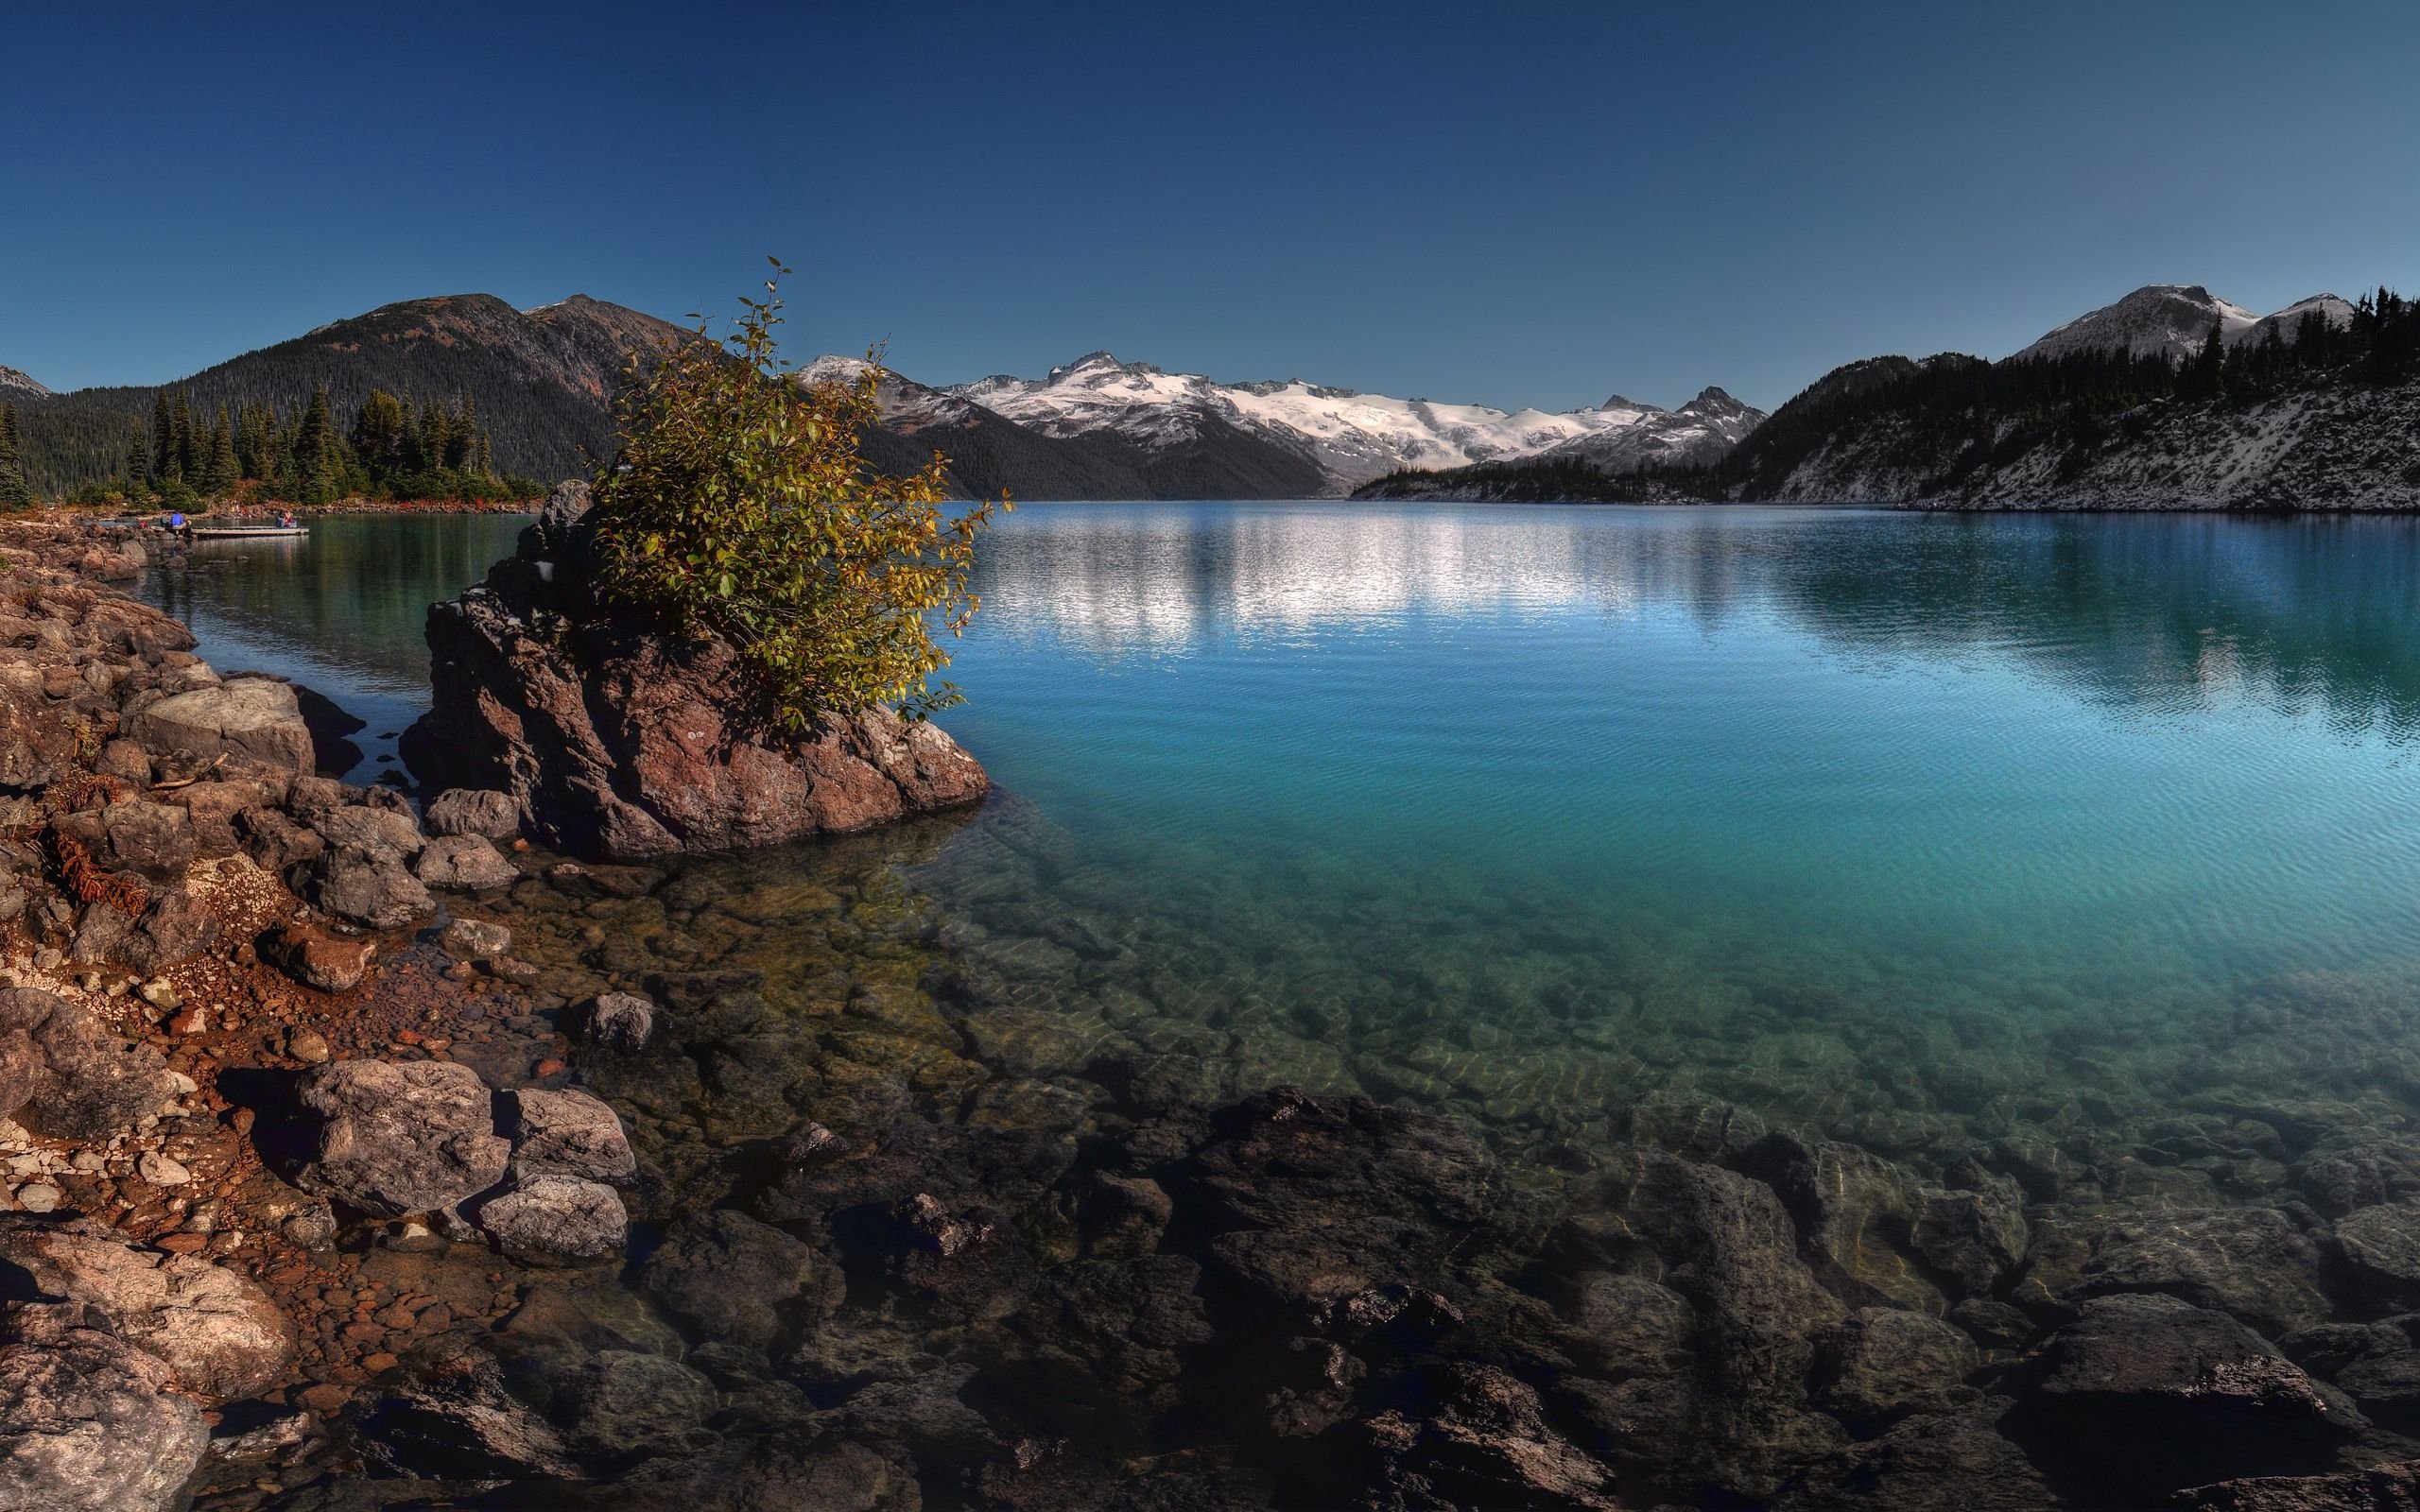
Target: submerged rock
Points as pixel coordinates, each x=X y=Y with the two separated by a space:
x=613 y=738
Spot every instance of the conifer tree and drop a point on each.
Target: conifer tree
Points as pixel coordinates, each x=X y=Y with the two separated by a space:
x=163 y=438
x=319 y=468
x=14 y=494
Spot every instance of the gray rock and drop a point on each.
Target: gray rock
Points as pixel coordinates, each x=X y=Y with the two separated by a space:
x=173 y=927
x=250 y=719
x=63 y=1077
x=275 y=841
x=218 y=1332
x=464 y=863
x=548 y=1216
x=87 y=1421
x=480 y=811
x=569 y=1133
x=370 y=888
x=401 y=1137
x=618 y=1021
x=381 y=831
x=134 y=834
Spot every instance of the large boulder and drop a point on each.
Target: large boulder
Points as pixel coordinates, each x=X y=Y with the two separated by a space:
x=218 y=1331
x=63 y=1075
x=613 y=737
x=243 y=719
x=371 y=887
x=400 y=1136
x=464 y=863
x=88 y=1422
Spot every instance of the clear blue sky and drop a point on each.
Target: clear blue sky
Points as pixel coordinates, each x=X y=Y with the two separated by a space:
x=1502 y=203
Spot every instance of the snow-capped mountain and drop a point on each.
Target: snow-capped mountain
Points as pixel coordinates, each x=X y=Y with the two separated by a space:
x=1351 y=437
x=1700 y=432
x=14 y=383
x=2176 y=317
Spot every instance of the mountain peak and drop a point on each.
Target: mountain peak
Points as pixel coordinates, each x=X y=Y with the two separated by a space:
x=14 y=383
x=1714 y=402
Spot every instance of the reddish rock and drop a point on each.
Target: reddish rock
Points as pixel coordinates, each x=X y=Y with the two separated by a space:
x=614 y=739
x=315 y=959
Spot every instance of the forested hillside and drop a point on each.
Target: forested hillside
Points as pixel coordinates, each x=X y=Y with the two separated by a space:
x=541 y=381
x=2319 y=412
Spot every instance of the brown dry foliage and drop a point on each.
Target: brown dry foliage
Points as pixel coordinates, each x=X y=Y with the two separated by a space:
x=88 y=882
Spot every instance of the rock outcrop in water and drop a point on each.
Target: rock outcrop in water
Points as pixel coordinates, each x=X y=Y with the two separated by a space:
x=616 y=740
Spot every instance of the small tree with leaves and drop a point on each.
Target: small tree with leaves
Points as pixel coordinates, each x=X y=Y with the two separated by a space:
x=738 y=504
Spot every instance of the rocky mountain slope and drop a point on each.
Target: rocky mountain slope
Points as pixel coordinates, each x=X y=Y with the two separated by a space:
x=14 y=385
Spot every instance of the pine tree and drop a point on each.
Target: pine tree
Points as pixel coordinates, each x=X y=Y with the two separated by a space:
x=14 y=494
x=318 y=466
x=221 y=473
x=163 y=439
x=138 y=467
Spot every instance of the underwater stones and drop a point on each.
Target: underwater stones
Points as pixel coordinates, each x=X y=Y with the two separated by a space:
x=2381 y=1245
x=219 y=1335
x=459 y=1419
x=317 y=958
x=617 y=1021
x=2369 y=1490
x=1924 y=1464
x=725 y=1276
x=2154 y=1393
x=1624 y=1325
x=2249 y=1262
x=569 y=1133
x=1325 y=1197
x=88 y=1422
x=1882 y=1363
x=1478 y=1437
x=464 y=863
x=620 y=1402
x=473 y=939
x=546 y=1215
x=957 y=1164
x=483 y=812
x=1854 y=1212
x=1974 y=1237
x=401 y=1137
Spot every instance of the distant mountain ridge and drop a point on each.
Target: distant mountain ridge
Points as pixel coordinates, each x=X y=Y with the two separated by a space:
x=2315 y=407
x=14 y=385
x=1348 y=436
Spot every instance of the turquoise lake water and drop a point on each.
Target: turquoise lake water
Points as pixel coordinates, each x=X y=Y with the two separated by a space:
x=1915 y=828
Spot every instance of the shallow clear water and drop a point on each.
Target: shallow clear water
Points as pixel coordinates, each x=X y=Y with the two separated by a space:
x=339 y=610
x=1917 y=829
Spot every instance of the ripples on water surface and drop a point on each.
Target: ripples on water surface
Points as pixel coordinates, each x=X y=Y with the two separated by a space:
x=1908 y=829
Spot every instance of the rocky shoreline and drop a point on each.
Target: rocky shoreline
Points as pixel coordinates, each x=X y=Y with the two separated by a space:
x=363 y=1157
